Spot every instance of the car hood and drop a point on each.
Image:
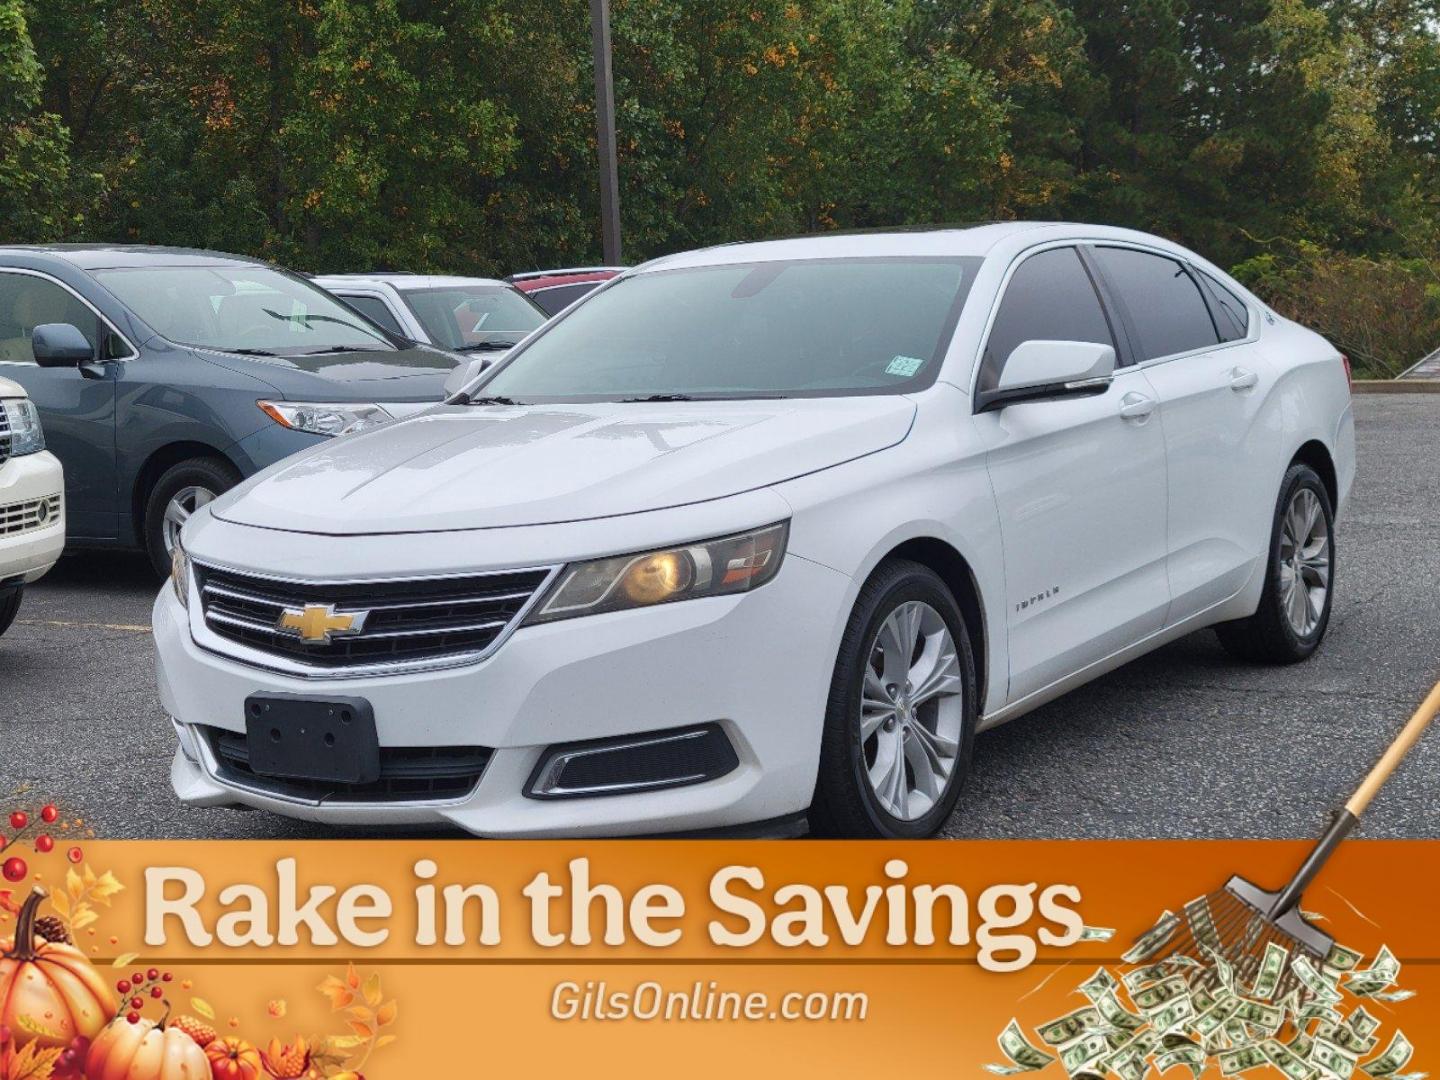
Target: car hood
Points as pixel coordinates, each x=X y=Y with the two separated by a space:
x=481 y=467
x=415 y=374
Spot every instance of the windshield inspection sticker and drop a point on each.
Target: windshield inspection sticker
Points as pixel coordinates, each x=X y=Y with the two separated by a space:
x=904 y=365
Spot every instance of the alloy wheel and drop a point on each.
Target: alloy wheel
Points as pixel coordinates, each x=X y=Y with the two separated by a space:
x=912 y=711
x=1304 y=562
x=184 y=503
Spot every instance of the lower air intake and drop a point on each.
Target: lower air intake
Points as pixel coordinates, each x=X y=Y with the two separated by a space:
x=633 y=763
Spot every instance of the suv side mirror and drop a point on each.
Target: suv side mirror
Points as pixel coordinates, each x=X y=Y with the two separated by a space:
x=1042 y=370
x=60 y=345
x=464 y=374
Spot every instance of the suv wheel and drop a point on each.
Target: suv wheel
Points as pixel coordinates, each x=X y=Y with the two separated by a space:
x=181 y=490
x=1294 y=609
x=900 y=722
x=10 y=606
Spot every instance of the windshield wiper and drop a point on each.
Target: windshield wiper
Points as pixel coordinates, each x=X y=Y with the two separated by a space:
x=340 y=349
x=656 y=397
x=483 y=346
x=252 y=352
x=497 y=399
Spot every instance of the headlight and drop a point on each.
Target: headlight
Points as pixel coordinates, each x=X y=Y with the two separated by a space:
x=26 y=435
x=322 y=419
x=731 y=564
x=180 y=574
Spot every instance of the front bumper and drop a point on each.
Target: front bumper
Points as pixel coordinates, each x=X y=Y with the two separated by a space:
x=30 y=554
x=758 y=664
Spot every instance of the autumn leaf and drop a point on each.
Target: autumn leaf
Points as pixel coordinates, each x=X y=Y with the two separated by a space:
x=352 y=977
x=386 y=1013
x=28 y=1023
x=105 y=888
x=372 y=990
x=73 y=884
x=203 y=1007
x=33 y=1063
x=339 y=994
x=365 y=1031
x=124 y=959
x=384 y=1040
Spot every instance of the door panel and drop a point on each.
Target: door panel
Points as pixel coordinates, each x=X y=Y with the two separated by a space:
x=1081 y=491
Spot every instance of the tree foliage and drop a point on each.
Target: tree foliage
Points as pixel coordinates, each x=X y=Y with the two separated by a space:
x=459 y=135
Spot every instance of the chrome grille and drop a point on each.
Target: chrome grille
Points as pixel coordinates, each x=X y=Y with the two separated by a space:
x=5 y=440
x=413 y=623
x=28 y=516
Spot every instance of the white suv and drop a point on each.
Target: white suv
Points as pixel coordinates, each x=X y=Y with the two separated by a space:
x=461 y=314
x=32 y=508
x=762 y=533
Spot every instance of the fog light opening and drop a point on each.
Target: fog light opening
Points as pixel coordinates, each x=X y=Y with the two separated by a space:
x=631 y=764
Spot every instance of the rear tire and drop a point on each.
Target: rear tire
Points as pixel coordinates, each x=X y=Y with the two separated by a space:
x=900 y=722
x=181 y=490
x=1294 y=609
x=10 y=607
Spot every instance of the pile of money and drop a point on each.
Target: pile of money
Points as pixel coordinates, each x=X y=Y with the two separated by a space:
x=1198 y=1012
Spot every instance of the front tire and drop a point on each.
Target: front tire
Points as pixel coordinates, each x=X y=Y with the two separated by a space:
x=181 y=490
x=900 y=722
x=10 y=607
x=1294 y=609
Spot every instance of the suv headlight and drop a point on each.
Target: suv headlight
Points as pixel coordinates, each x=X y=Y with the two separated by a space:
x=180 y=574
x=731 y=564
x=26 y=435
x=318 y=418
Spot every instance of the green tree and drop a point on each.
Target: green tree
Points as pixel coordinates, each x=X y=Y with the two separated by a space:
x=34 y=162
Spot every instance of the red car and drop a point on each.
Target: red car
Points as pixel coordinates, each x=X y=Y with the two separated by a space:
x=555 y=290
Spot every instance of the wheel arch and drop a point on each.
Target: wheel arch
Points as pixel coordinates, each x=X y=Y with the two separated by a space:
x=154 y=467
x=1317 y=455
x=959 y=577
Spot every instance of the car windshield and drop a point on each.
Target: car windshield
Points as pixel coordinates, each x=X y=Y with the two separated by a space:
x=248 y=309
x=805 y=328
x=474 y=317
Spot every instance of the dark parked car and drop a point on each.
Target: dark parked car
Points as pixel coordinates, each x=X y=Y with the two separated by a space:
x=164 y=376
x=555 y=290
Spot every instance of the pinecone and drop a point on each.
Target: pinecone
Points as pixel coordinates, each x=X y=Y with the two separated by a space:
x=201 y=1032
x=52 y=929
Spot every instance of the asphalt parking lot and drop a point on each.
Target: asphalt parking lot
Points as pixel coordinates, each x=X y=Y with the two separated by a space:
x=1185 y=743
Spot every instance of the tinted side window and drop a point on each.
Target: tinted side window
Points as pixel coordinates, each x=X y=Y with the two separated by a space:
x=1163 y=301
x=1049 y=298
x=558 y=297
x=27 y=302
x=1231 y=315
x=376 y=310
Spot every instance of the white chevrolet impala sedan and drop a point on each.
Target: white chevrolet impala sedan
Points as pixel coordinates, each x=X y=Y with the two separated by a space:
x=762 y=536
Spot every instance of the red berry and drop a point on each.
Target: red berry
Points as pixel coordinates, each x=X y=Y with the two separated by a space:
x=15 y=869
x=137 y=1003
x=19 y=819
x=152 y=974
x=133 y=1017
x=123 y=986
x=75 y=854
x=138 y=978
x=44 y=844
x=49 y=814
x=166 y=977
x=157 y=993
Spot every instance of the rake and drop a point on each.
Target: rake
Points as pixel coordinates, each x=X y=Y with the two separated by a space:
x=1238 y=922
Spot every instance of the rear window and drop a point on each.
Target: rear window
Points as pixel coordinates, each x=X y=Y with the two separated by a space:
x=1162 y=299
x=1232 y=316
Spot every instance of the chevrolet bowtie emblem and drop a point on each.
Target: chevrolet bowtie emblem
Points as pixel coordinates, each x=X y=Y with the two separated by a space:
x=320 y=623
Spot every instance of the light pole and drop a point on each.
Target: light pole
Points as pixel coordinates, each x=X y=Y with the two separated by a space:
x=605 y=132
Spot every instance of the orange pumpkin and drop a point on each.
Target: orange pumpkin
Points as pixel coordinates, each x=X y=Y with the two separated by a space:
x=50 y=985
x=233 y=1059
x=145 y=1051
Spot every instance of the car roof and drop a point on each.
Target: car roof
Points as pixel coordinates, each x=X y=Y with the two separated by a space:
x=927 y=241
x=566 y=271
x=405 y=282
x=114 y=256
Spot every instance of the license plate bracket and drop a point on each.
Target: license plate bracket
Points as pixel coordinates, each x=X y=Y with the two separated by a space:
x=293 y=737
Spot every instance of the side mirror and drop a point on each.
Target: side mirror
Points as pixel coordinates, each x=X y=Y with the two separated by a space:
x=463 y=375
x=60 y=345
x=1041 y=370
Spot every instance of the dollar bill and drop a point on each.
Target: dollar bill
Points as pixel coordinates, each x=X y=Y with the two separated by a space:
x=1267 y=1017
x=1391 y=996
x=1097 y=933
x=1141 y=976
x=1396 y=1056
x=1213 y=1019
x=1302 y=1044
x=1342 y=959
x=1241 y=1059
x=1173 y=1015
x=1346 y=1038
x=1069 y=1027
x=1223 y=971
x=1023 y=1057
x=1287 y=1061
x=1379 y=976
x=1083 y=1052
x=1191 y=1056
x=1102 y=982
x=1333 y=1060
x=1162 y=993
x=1115 y=1014
x=1272 y=966
x=1313 y=981
x=1361 y=1022
x=1154 y=939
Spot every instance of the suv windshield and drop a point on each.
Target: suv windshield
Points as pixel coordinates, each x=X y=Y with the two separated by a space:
x=249 y=309
x=805 y=328
x=474 y=317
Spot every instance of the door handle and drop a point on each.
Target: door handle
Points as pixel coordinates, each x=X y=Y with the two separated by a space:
x=1240 y=379
x=1135 y=406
